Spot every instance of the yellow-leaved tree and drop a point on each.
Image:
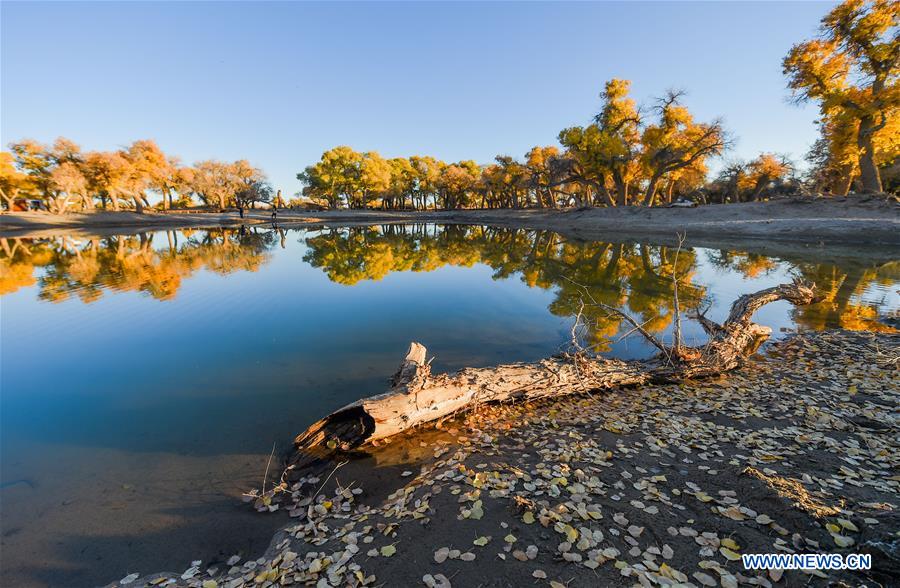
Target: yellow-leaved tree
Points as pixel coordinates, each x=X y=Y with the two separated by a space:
x=852 y=71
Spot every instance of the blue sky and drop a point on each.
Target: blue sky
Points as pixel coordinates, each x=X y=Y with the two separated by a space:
x=277 y=83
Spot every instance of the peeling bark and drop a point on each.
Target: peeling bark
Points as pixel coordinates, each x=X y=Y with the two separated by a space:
x=417 y=396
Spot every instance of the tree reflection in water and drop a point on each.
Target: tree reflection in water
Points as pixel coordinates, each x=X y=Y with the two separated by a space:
x=85 y=267
x=634 y=277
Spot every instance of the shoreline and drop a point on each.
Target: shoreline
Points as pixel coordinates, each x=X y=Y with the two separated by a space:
x=656 y=481
x=847 y=221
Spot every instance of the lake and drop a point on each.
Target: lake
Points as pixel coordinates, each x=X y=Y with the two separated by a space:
x=146 y=377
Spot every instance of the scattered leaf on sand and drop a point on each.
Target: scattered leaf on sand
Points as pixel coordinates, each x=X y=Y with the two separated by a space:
x=842 y=541
x=729 y=554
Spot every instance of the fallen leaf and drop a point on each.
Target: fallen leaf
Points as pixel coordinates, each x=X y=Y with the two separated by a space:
x=842 y=541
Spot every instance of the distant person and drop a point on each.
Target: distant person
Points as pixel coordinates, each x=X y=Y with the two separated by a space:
x=241 y=210
x=274 y=213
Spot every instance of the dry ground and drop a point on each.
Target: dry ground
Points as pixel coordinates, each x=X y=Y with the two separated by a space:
x=854 y=220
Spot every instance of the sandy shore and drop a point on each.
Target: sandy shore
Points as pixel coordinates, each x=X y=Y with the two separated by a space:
x=794 y=453
x=855 y=220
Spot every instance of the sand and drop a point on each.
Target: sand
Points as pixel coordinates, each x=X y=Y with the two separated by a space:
x=852 y=220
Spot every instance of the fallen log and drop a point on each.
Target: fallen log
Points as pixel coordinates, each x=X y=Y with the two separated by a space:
x=417 y=396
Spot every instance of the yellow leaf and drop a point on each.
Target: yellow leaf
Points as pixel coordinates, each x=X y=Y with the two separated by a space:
x=388 y=550
x=842 y=541
x=730 y=544
x=729 y=554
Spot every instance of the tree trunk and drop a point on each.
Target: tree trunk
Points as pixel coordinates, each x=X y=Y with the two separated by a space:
x=417 y=396
x=138 y=205
x=621 y=189
x=868 y=171
x=651 y=189
x=604 y=192
x=761 y=184
x=846 y=181
x=10 y=200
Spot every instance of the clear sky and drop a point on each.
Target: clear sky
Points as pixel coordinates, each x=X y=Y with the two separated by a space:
x=278 y=83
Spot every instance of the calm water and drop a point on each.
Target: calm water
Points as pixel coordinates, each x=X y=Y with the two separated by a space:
x=145 y=378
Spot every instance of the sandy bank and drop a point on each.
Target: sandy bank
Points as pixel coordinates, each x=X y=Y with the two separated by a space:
x=795 y=452
x=859 y=221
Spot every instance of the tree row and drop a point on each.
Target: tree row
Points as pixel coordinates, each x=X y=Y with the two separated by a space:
x=63 y=178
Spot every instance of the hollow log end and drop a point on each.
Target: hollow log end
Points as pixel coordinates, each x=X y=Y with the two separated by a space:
x=345 y=429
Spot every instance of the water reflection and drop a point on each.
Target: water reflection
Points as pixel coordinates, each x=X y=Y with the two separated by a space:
x=87 y=267
x=844 y=290
x=634 y=277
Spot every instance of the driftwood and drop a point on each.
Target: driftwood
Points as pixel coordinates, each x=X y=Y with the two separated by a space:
x=417 y=396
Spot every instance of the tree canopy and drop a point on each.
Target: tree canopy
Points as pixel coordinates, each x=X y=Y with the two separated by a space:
x=851 y=70
x=65 y=178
